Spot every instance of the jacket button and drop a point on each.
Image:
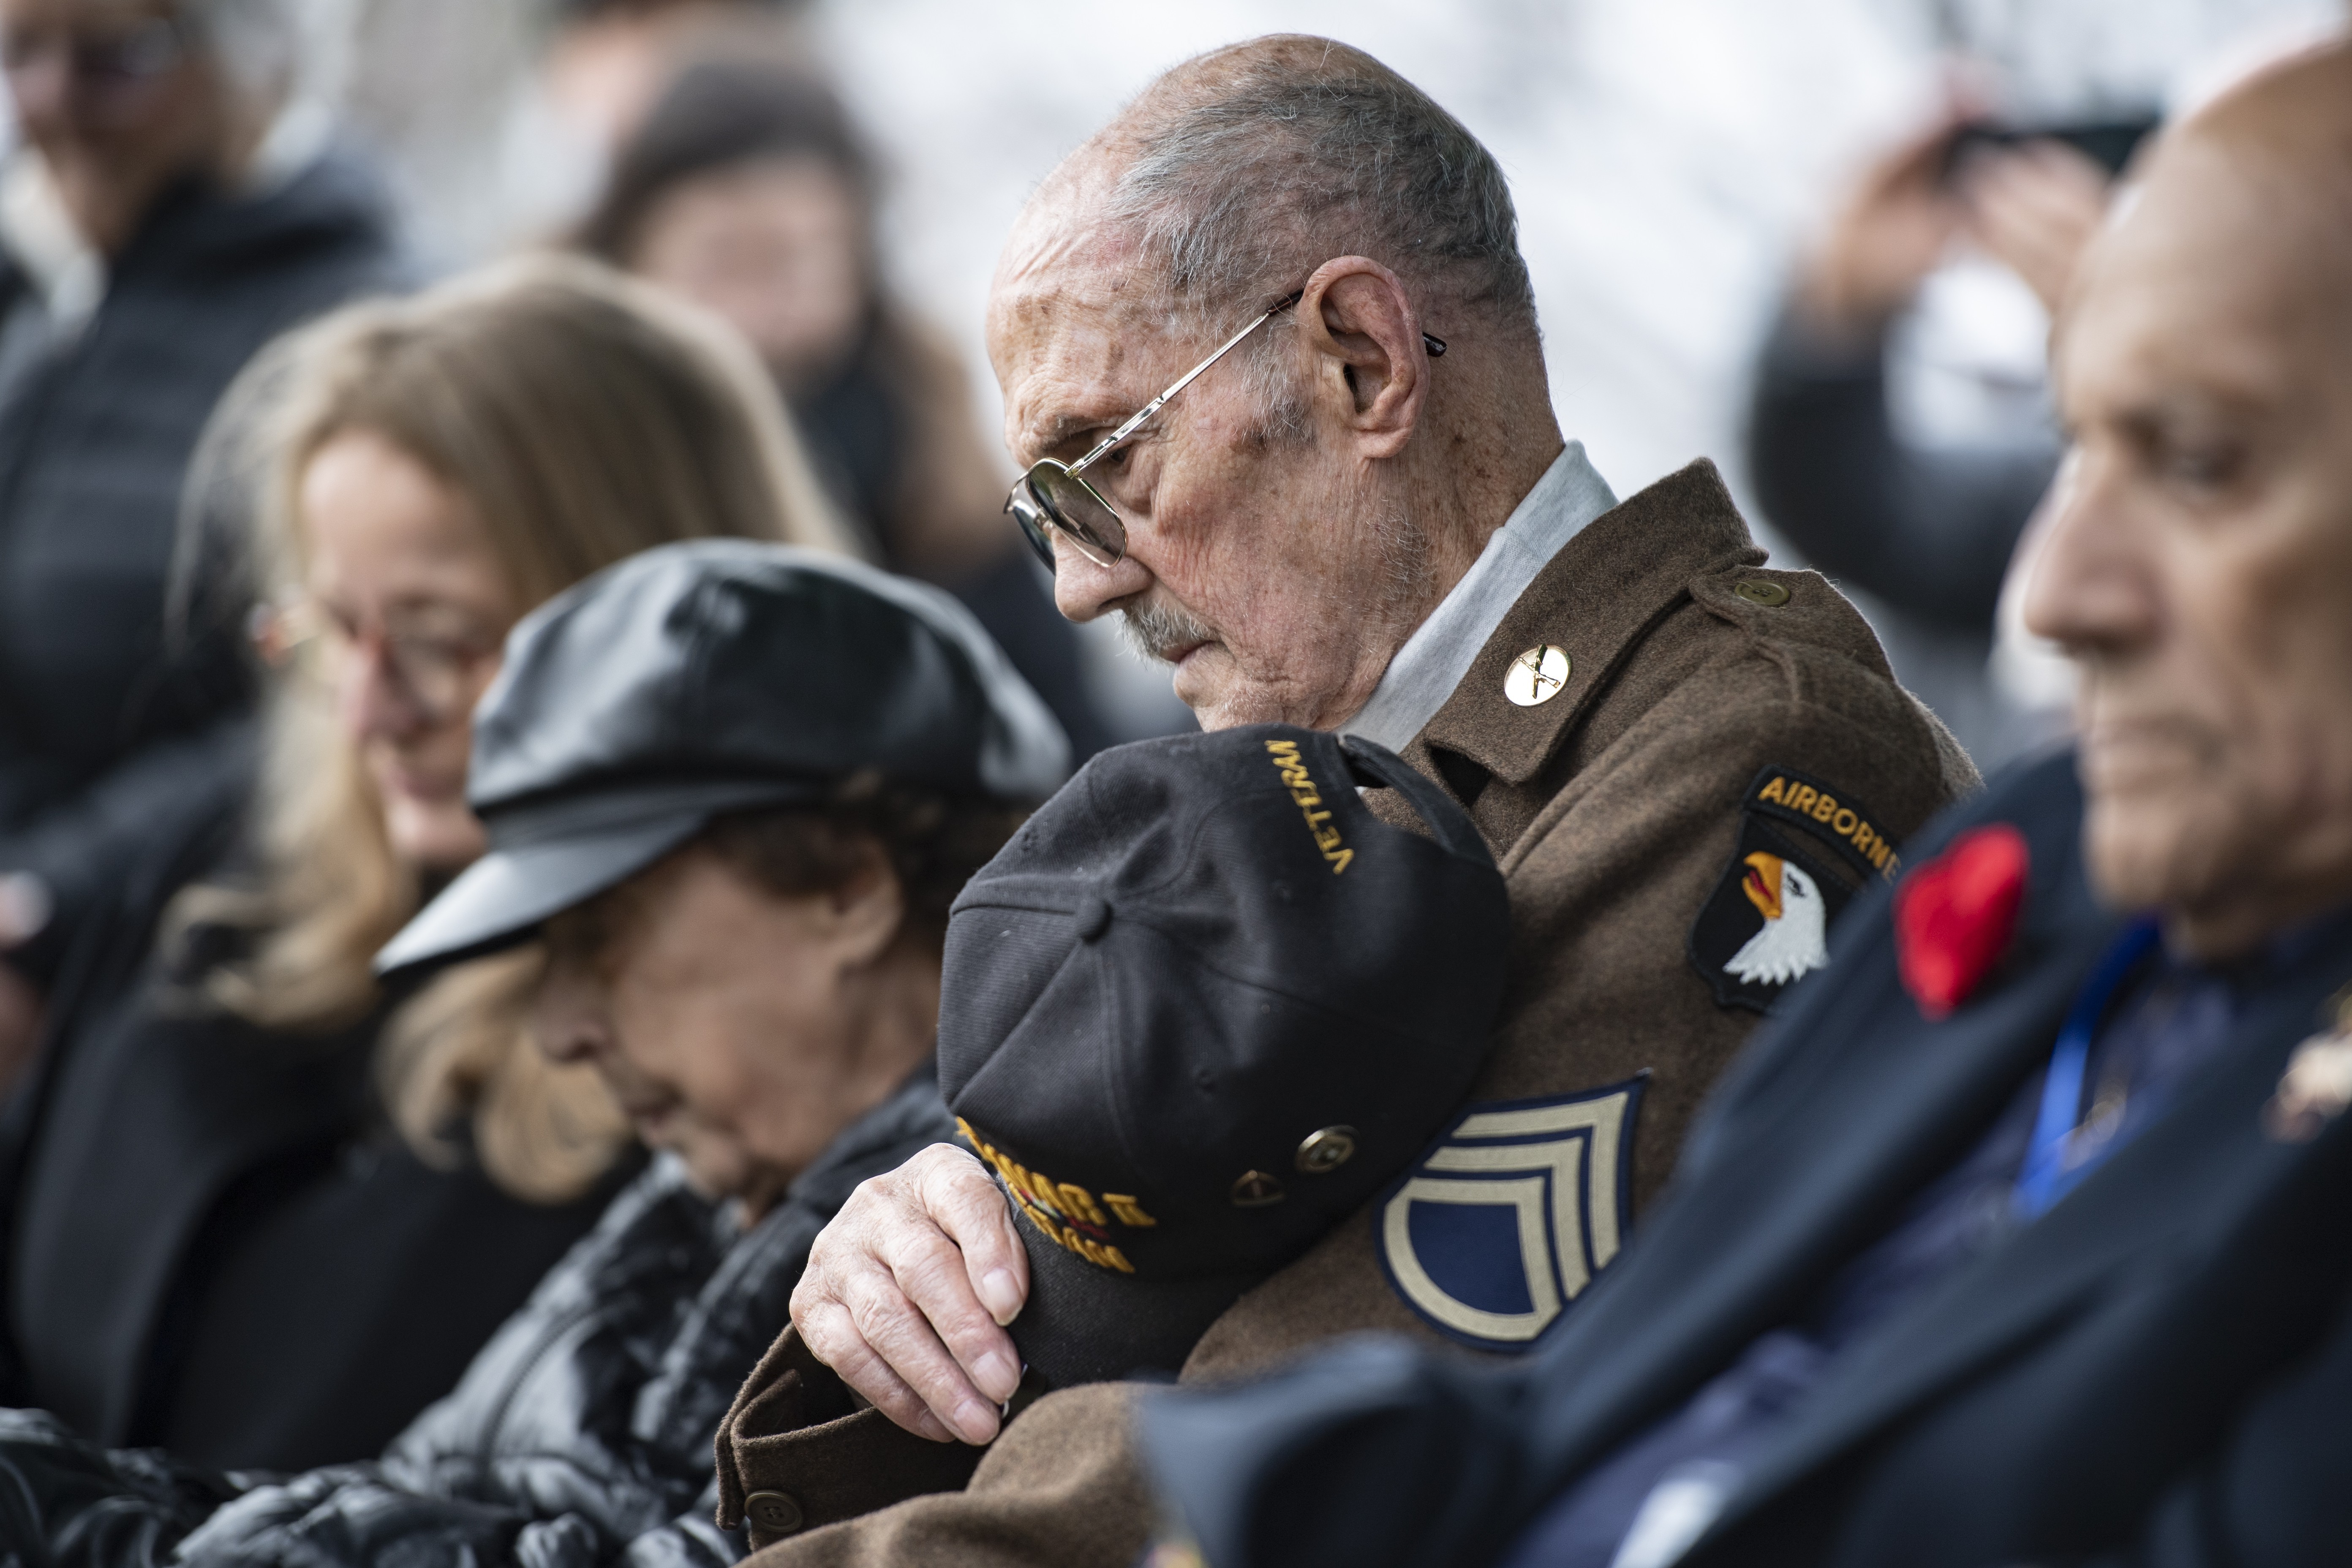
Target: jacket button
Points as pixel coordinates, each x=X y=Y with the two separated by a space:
x=1770 y=595
x=772 y=1513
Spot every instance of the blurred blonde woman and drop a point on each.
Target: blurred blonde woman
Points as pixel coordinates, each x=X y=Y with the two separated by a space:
x=259 y=1211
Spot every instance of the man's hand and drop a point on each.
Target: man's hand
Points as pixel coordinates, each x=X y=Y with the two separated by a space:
x=1892 y=231
x=2035 y=210
x=908 y=1291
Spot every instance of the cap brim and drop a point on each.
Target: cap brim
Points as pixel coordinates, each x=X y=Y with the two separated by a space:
x=504 y=897
x=1081 y=1323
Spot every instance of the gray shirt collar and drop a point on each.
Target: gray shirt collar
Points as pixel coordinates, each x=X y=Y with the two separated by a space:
x=1437 y=656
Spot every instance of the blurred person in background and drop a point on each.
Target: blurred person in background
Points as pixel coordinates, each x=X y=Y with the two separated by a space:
x=748 y=191
x=607 y=62
x=175 y=203
x=1925 y=530
x=256 y=1207
x=738 y=786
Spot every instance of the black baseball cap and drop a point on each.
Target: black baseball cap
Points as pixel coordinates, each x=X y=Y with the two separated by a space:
x=1204 y=1006
x=707 y=677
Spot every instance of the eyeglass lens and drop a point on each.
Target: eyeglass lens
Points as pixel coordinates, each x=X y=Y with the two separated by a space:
x=1051 y=497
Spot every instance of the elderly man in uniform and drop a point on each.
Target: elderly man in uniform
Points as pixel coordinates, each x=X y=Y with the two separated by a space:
x=1269 y=347
x=2019 y=1237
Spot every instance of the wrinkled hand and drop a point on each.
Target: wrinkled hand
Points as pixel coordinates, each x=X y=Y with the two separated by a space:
x=908 y=1291
x=2034 y=209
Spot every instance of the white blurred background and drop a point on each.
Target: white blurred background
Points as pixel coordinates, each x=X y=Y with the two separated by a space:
x=1667 y=156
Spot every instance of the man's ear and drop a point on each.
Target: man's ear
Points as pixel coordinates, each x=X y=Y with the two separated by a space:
x=1360 y=326
x=863 y=915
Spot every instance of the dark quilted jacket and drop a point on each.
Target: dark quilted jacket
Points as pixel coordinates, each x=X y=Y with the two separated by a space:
x=580 y=1435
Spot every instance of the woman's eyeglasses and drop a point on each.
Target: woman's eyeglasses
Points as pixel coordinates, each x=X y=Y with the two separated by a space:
x=1055 y=497
x=437 y=671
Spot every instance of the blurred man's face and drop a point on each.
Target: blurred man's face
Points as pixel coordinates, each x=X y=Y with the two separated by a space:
x=1275 y=570
x=117 y=100
x=2199 y=563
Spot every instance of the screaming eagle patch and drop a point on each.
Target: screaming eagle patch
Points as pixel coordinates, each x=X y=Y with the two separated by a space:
x=1510 y=1215
x=1804 y=848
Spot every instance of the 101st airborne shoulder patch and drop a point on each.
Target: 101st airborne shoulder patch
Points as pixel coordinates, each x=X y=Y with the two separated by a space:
x=1804 y=849
x=1510 y=1214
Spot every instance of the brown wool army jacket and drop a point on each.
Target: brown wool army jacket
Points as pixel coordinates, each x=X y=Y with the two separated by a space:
x=1702 y=696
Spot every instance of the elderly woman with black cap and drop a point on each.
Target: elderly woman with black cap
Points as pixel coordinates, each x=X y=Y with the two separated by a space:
x=735 y=786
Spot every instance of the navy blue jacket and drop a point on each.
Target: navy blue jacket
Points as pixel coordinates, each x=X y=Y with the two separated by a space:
x=2157 y=1371
x=115 y=732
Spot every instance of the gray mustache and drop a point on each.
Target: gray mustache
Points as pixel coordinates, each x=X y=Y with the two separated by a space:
x=1156 y=631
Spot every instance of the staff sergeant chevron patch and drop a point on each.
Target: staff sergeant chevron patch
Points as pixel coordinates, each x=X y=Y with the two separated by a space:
x=1511 y=1213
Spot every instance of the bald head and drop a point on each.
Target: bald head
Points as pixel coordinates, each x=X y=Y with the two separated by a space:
x=2196 y=563
x=2252 y=193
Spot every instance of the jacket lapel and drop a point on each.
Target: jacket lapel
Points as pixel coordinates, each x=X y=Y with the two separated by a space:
x=1606 y=587
x=1855 y=1103
x=2189 y=1177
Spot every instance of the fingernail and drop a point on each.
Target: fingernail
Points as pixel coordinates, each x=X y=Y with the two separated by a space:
x=1000 y=1294
x=934 y=1428
x=975 y=1422
x=997 y=1375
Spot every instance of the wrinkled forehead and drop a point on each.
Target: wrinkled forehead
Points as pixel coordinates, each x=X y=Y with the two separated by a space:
x=1079 y=329
x=2212 y=274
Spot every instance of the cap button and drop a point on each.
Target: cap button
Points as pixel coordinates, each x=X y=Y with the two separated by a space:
x=1092 y=917
x=1326 y=1151
x=773 y=1513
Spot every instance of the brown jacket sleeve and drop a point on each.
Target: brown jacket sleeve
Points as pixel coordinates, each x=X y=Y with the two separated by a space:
x=799 y=1451
x=1061 y=1485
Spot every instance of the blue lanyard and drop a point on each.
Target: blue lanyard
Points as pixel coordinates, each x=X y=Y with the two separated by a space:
x=2047 y=1176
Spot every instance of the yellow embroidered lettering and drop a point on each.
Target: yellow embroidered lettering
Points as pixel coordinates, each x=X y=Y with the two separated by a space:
x=1845 y=823
x=1130 y=1212
x=1117 y=1259
x=1824 y=808
x=1303 y=793
x=1774 y=791
x=1799 y=798
x=1079 y=1202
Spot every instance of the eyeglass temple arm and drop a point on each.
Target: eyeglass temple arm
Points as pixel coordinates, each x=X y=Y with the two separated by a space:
x=1157 y=403
x=1436 y=345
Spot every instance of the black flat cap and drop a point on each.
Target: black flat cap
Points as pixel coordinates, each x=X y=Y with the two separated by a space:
x=712 y=675
x=1202 y=1008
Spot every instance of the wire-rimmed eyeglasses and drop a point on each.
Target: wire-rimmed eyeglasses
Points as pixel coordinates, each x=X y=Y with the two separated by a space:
x=1054 y=496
